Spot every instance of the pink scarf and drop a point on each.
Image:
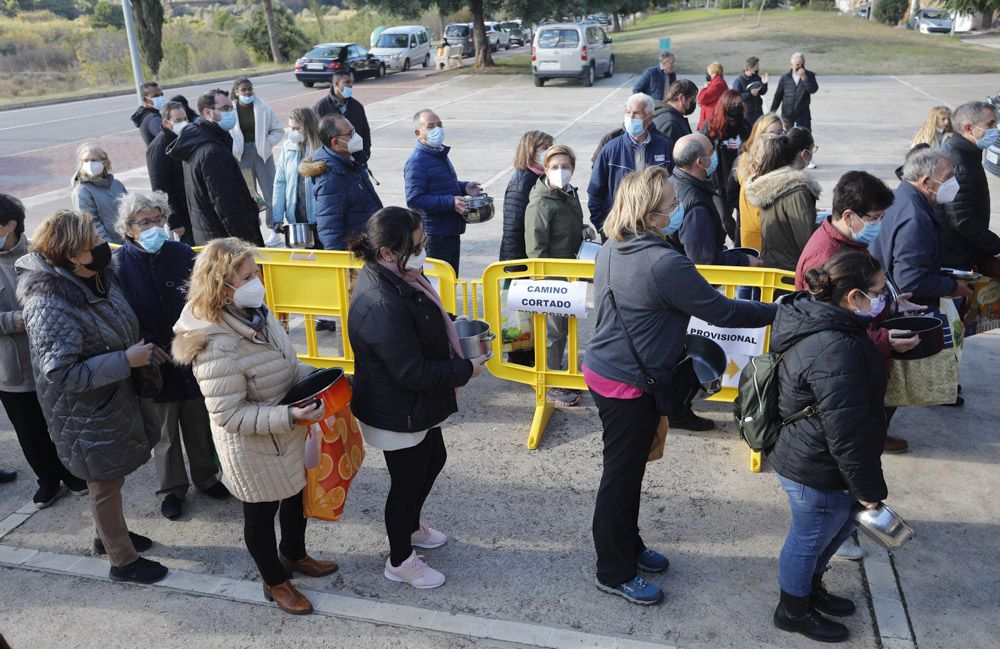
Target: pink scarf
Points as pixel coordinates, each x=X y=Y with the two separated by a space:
x=416 y=279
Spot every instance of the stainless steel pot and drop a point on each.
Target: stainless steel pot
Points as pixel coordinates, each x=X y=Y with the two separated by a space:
x=475 y=337
x=883 y=525
x=480 y=208
x=300 y=235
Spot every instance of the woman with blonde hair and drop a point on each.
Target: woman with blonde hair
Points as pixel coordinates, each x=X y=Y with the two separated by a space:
x=936 y=130
x=245 y=364
x=86 y=351
x=746 y=167
x=293 y=180
x=96 y=191
x=646 y=293
x=709 y=96
x=529 y=166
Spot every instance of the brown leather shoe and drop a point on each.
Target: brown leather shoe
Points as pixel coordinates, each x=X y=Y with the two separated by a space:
x=895 y=445
x=288 y=598
x=308 y=566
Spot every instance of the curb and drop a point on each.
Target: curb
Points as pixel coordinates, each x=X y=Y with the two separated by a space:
x=892 y=619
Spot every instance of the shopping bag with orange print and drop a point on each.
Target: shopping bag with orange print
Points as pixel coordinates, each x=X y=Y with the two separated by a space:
x=340 y=454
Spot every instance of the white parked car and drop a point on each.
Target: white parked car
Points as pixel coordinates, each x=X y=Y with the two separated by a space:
x=400 y=48
x=571 y=50
x=497 y=36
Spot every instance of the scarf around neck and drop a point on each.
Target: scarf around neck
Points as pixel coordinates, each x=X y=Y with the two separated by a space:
x=416 y=279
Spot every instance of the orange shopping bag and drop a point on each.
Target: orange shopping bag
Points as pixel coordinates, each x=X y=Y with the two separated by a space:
x=341 y=452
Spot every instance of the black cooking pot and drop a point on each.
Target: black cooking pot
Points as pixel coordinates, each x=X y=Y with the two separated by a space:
x=709 y=361
x=930 y=330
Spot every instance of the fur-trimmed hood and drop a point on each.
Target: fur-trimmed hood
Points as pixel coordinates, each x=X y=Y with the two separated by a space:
x=311 y=168
x=765 y=190
x=191 y=335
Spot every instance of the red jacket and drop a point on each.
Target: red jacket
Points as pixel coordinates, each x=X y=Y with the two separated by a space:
x=709 y=96
x=825 y=242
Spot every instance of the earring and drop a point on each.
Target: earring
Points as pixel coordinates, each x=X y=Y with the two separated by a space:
x=228 y=301
x=76 y=265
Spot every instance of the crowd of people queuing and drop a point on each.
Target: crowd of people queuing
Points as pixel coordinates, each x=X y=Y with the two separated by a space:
x=152 y=350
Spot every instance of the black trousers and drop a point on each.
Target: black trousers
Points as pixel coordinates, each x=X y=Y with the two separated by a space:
x=25 y=414
x=629 y=429
x=447 y=249
x=413 y=471
x=258 y=533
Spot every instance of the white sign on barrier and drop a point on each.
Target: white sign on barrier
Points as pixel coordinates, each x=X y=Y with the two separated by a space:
x=554 y=296
x=740 y=346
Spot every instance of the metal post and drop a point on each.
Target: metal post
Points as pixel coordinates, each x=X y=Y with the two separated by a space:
x=133 y=48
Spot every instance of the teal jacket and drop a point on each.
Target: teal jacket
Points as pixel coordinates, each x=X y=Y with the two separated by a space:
x=286 y=179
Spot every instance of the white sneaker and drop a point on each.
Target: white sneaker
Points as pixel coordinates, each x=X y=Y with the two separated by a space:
x=274 y=240
x=414 y=572
x=427 y=537
x=849 y=551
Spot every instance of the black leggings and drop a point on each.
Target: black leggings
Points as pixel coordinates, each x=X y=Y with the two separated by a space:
x=258 y=533
x=25 y=414
x=413 y=471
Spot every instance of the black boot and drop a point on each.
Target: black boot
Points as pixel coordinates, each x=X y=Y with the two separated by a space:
x=827 y=603
x=794 y=614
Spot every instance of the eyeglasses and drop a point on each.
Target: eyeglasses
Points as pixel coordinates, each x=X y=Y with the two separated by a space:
x=419 y=248
x=872 y=218
x=814 y=148
x=145 y=223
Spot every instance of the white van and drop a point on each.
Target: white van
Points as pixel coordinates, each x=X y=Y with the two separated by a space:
x=575 y=50
x=400 y=48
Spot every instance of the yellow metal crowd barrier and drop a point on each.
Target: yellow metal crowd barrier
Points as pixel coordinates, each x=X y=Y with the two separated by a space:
x=541 y=377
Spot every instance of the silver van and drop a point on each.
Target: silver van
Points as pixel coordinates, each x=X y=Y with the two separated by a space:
x=571 y=50
x=403 y=47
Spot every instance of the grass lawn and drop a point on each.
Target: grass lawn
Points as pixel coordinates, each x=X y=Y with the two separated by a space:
x=832 y=42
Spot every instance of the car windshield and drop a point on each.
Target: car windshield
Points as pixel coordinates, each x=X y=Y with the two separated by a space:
x=936 y=15
x=323 y=51
x=550 y=38
x=510 y=26
x=394 y=41
x=457 y=30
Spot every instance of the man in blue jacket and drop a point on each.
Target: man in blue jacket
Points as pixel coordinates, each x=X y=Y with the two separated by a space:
x=344 y=195
x=909 y=241
x=752 y=87
x=656 y=79
x=634 y=150
x=433 y=187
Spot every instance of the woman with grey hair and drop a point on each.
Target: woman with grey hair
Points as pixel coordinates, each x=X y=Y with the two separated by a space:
x=153 y=273
x=96 y=191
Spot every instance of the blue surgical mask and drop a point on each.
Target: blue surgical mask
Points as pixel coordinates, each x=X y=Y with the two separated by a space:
x=228 y=120
x=634 y=126
x=989 y=138
x=246 y=100
x=347 y=92
x=676 y=219
x=152 y=239
x=3 y=241
x=159 y=102
x=713 y=164
x=435 y=136
x=877 y=304
x=868 y=233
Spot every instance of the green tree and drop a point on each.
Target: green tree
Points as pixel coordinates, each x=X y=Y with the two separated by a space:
x=986 y=7
x=148 y=15
x=254 y=35
x=272 y=31
x=890 y=12
x=107 y=15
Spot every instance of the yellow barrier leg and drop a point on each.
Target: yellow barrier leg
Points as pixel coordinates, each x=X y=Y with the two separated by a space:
x=755 y=461
x=543 y=410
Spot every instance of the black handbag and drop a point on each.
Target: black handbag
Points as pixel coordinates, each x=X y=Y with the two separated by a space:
x=676 y=392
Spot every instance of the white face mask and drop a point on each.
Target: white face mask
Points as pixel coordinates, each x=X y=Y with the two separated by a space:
x=540 y=160
x=295 y=137
x=558 y=178
x=93 y=167
x=948 y=190
x=178 y=127
x=250 y=295
x=416 y=262
x=356 y=143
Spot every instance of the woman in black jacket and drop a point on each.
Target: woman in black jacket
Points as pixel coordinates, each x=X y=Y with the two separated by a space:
x=529 y=166
x=408 y=363
x=829 y=461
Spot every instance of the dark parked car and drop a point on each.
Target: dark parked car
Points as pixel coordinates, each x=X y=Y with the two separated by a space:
x=461 y=34
x=320 y=63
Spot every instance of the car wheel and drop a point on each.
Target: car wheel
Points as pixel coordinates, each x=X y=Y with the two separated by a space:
x=380 y=72
x=427 y=60
x=611 y=68
x=588 y=77
x=508 y=45
x=308 y=84
x=539 y=82
x=406 y=65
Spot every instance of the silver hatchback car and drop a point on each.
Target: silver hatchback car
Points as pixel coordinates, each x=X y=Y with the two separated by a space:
x=571 y=50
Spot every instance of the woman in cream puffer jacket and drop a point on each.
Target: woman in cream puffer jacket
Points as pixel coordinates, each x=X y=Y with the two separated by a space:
x=245 y=364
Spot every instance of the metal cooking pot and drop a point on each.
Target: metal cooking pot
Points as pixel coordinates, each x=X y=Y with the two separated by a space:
x=930 y=330
x=588 y=250
x=480 y=208
x=475 y=337
x=750 y=252
x=300 y=235
x=709 y=361
x=883 y=525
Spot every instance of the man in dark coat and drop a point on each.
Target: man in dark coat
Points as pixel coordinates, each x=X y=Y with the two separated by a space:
x=794 y=93
x=344 y=196
x=219 y=202
x=340 y=100
x=670 y=117
x=655 y=80
x=967 y=240
x=147 y=116
x=167 y=174
x=752 y=87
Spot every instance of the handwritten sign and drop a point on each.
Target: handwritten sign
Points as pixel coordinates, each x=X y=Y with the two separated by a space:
x=557 y=297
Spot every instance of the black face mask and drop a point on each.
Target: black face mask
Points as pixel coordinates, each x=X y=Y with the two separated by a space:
x=708 y=77
x=689 y=107
x=102 y=257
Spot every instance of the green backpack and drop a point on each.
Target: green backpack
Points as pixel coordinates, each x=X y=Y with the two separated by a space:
x=756 y=404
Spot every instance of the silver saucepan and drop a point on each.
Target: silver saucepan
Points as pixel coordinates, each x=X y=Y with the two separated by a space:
x=300 y=235
x=883 y=525
x=475 y=337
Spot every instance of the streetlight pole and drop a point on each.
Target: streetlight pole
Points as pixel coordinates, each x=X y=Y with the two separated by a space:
x=133 y=48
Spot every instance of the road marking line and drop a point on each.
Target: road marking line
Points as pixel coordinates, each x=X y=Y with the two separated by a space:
x=332 y=605
x=920 y=90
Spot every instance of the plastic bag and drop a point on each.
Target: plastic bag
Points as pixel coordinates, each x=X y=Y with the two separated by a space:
x=515 y=327
x=341 y=453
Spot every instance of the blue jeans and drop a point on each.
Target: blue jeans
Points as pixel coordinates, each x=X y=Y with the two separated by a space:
x=821 y=521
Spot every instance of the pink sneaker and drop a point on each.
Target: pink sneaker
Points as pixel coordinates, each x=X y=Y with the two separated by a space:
x=427 y=537
x=414 y=572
